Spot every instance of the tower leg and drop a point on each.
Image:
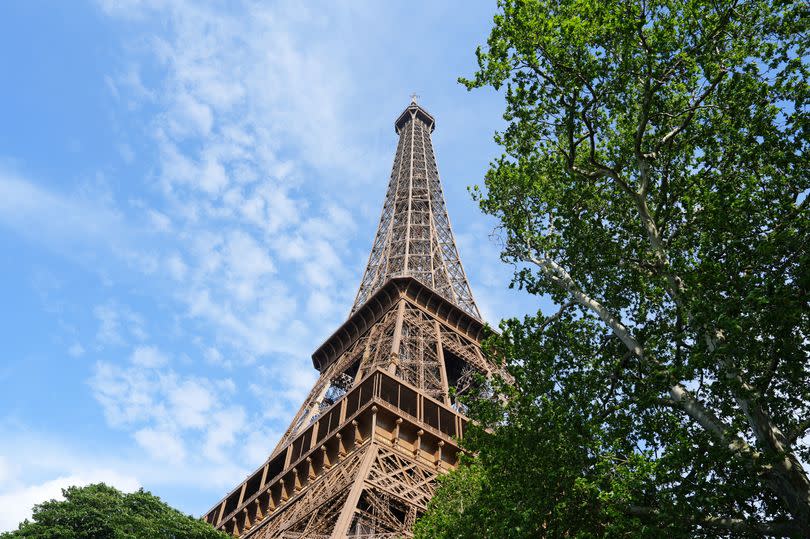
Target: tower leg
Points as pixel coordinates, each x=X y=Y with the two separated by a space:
x=345 y=519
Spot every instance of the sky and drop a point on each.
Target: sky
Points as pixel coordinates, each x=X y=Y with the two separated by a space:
x=188 y=195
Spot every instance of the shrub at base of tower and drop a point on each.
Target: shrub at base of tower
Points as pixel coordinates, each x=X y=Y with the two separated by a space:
x=655 y=184
x=102 y=512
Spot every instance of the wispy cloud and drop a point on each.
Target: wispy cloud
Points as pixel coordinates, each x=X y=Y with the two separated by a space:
x=16 y=500
x=118 y=325
x=60 y=220
x=35 y=467
x=246 y=106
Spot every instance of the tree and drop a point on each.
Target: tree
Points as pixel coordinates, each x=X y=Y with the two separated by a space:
x=102 y=512
x=654 y=184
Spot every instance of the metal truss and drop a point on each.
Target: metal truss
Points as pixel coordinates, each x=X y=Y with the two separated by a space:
x=414 y=237
x=392 y=491
x=361 y=456
x=314 y=514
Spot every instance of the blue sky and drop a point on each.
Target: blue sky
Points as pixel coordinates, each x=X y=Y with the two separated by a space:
x=188 y=194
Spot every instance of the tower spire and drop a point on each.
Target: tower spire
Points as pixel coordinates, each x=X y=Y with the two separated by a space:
x=414 y=237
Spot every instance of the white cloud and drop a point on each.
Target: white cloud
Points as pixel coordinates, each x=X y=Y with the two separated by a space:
x=76 y=350
x=130 y=8
x=161 y=445
x=148 y=356
x=226 y=424
x=240 y=88
x=35 y=467
x=109 y=331
x=159 y=220
x=319 y=303
x=127 y=153
x=175 y=167
x=256 y=446
x=168 y=411
x=147 y=391
x=131 y=81
x=260 y=330
x=5 y=470
x=127 y=395
x=214 y=357
x=213 y=177
x=189 y=117
x=176 y=267
x=190 y=403
x=61 y=221
x=118 y=324
x=246 y=259
x=17 y=500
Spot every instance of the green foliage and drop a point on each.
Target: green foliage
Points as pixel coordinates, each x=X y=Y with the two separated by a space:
x=542 y=465
x=654 y=183
x=456 y=505
x=102 y=512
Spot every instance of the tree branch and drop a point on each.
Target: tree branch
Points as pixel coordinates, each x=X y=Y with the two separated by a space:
x=705 y=418
x=556 y=316
x=559 y=276
x=765 y=383
x=797 y=432
x=692 y=109
x=774 y=528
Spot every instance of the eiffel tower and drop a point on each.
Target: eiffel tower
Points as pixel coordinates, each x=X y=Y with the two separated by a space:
x=361 y=456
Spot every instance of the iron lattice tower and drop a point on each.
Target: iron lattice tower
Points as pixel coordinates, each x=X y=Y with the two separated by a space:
x=362 y=454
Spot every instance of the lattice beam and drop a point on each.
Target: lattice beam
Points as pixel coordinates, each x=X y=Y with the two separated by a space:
x=414 y=237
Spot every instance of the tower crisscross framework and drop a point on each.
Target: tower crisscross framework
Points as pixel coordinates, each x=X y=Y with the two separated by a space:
x=414 y=237
x=361 y=456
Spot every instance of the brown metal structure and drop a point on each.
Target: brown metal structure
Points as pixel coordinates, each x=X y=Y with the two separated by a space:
x=361 y=456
